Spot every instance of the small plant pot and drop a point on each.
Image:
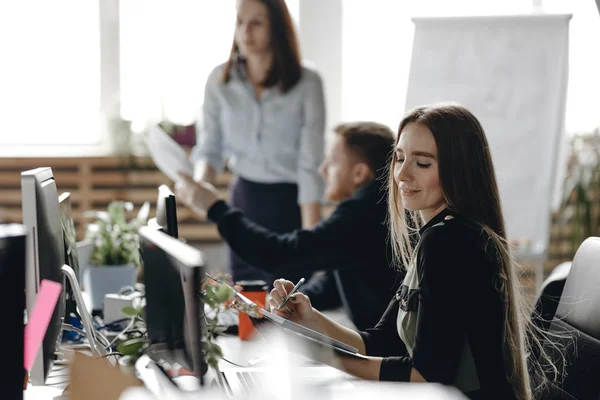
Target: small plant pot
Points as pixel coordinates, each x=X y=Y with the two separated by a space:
x=99 y=280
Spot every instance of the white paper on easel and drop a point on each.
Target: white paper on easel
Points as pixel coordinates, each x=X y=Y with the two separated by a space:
x=511 y=71
x=167 y=154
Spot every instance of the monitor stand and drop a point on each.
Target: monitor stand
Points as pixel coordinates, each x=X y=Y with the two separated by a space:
x=97 y=347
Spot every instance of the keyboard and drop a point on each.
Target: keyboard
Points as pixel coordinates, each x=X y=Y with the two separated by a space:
x=252 y=381
x=248 y=381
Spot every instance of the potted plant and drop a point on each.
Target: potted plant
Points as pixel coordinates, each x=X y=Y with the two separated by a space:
x=115 y=255
x=216 y=294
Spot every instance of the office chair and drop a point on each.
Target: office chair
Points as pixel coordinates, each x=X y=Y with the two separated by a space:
x=549 y=297
x=577 y=318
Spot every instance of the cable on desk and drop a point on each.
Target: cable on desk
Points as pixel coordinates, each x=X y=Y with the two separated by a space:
x=69 y=327
x=113 y=324
x=128 y=327
x=138 y=332
x=75 y=347
x=236 y=364
x=112 y=353
x=97 y=335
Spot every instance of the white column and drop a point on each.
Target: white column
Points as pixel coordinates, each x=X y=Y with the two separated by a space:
x=321 y=43
x=110 y=105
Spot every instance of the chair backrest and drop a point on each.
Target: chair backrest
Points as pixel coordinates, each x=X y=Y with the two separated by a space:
x=578 y=320
x=549 y=297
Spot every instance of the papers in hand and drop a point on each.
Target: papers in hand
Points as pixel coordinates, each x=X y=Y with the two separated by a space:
x=167 y=154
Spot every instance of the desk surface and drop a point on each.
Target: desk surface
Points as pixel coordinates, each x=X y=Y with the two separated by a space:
x=242 y=352
x=55 y=385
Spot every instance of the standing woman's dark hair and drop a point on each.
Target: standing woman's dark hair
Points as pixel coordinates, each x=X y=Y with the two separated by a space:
x=469 y=188
x=286 y=68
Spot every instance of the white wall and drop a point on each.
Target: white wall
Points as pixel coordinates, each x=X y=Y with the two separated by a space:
x=321 y=43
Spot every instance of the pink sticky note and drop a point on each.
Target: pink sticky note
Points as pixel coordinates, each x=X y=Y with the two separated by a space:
x=40 y=318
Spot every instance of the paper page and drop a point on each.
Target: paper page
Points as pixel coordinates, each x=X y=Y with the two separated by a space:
x=167 y=154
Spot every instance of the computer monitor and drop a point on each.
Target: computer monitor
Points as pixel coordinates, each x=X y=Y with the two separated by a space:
x=175 y=319
x=45 y=257
x=71 y=259
x=166 y=211
x=12 y=297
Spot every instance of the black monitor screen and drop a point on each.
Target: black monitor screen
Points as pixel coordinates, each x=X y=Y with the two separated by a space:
x=71 y=259
x=68 y=227
x=166 y=211
x=12 y=298
x=45 y=255
x=174 y=308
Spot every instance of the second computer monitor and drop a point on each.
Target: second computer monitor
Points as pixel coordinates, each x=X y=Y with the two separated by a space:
x=175 y=322
x=166 y=211
x=66 y=214
x=71 y=258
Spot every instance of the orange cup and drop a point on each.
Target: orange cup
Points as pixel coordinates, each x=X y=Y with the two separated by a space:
x=257 y=292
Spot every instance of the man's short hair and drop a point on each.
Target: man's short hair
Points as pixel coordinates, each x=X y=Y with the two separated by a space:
x=371 y=141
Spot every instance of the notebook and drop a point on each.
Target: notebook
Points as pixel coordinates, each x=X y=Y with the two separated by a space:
x=314 y=336
x=247 y=306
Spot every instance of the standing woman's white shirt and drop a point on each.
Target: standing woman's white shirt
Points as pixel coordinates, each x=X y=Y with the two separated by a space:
x=275 y=138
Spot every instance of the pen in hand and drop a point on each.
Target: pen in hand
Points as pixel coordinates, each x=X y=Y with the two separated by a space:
x=294 y=289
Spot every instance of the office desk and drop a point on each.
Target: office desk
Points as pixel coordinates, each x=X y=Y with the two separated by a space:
x=241 y=352
x=55 y=385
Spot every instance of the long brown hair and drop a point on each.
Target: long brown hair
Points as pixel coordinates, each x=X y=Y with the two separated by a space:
x=286 y=69
x=469 y=186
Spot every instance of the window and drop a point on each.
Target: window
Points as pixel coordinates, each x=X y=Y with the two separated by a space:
x=50 y=76
x=583 y=95
x=383 y=45
x=168 y=48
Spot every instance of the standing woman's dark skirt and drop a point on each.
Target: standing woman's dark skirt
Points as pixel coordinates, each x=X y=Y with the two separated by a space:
x=272 y=205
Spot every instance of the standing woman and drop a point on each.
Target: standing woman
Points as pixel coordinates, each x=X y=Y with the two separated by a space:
x=264 y=113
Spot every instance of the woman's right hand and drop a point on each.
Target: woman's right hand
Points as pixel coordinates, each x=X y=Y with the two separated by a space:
x=298 y=308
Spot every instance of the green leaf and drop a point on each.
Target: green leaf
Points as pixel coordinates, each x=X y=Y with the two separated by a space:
x=219 y=330
x=215 y=349
x=213 y=362
x=130 y=311
x=223 y=294
x=133 y=346
x=115 y=239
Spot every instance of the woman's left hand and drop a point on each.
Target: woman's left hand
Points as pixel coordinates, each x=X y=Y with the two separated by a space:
x=199 y=196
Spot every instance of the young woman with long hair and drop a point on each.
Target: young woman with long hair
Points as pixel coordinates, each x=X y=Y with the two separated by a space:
x=457 y=318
